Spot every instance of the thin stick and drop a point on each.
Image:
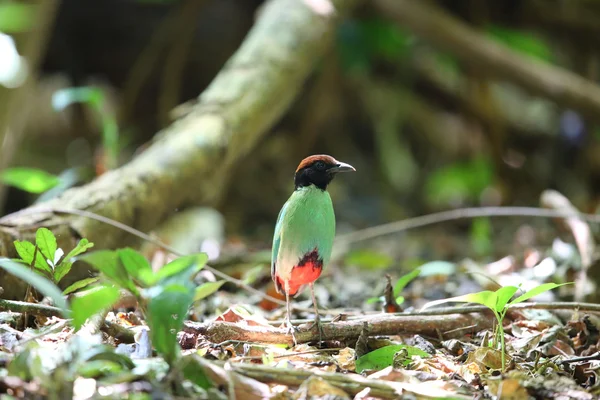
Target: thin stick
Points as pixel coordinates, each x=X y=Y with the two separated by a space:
x=287 y=355
x=29 y=308
x=459 y=213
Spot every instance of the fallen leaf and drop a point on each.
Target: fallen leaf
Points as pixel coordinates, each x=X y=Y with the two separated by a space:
x=318 y=388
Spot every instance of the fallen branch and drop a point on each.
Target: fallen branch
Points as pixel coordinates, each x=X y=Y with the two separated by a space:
x=382 y=324
x=350 y=383
x=30 y=308
x=469 y=46
x=446 y=322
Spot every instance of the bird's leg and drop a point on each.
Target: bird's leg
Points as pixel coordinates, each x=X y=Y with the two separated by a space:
x=291 y=329
x=317 y=317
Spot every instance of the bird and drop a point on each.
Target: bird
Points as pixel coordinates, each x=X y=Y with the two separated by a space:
x=304 y=232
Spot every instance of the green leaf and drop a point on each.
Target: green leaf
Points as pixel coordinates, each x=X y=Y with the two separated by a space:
x=16 y=17
x=81 y=247
x=194 y=372
x=99 y=368
x=46 y=243
x=384 y=357
x=107 y=262
x=368 y=259
x=503 y=296
x=41 y=284
x=437 y=268
x=80 y=285
x=135 y=264
x=405 y=280
x=27 y=251
x=63 y=98
x=486 y=298
x=179 y=265
x=92 y=302
x=537 y=290
x=459 y=181
x=166 y=313
x=206 y=289
x=61 y=270
x=29 y=179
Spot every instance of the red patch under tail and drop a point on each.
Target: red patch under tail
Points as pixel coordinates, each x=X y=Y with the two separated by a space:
x=306 y=271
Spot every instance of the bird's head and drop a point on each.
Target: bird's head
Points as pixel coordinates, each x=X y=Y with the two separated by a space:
x=319 y=170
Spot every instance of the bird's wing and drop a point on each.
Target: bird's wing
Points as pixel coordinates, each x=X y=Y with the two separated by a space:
x=277 y=239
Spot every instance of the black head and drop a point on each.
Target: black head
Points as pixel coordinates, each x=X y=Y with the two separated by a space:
x=319 y=170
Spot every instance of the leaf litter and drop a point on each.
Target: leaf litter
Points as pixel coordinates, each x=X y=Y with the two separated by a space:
x=548 y=353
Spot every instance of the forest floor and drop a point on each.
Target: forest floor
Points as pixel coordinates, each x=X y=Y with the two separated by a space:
x=504 y=334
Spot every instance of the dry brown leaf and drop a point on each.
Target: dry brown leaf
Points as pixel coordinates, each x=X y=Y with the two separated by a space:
x=244 y=387
x=507 y=389
x=317 y=388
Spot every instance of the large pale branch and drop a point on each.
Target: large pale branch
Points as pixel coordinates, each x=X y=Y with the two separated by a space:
x=189 y=162
x=472 y=48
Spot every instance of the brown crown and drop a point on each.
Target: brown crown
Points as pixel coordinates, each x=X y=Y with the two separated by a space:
x=319 y=157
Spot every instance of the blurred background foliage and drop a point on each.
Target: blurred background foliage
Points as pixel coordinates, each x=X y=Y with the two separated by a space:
x=425 y=131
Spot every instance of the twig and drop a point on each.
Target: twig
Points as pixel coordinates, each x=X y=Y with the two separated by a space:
x=591 y=357
x=581 y=232
x=459 y=213
x=286 y=355
x=557 y=305
x=382 y=324
x=29 y=308
x=59 y=326
x=351 y=383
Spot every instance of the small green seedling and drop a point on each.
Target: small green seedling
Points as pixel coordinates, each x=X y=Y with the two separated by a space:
x=498 y=302
x=163 y=296
x=46 y=258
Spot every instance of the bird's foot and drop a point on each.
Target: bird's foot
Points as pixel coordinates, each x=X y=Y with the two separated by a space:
x=291 y=330
x=319 y=326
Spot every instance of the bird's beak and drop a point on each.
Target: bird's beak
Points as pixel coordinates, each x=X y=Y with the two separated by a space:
x=342 y=167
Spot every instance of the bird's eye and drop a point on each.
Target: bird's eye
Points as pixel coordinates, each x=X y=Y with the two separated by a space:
x=320 y=165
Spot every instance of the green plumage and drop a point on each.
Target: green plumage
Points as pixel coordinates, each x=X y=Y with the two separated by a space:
x=306 y=222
